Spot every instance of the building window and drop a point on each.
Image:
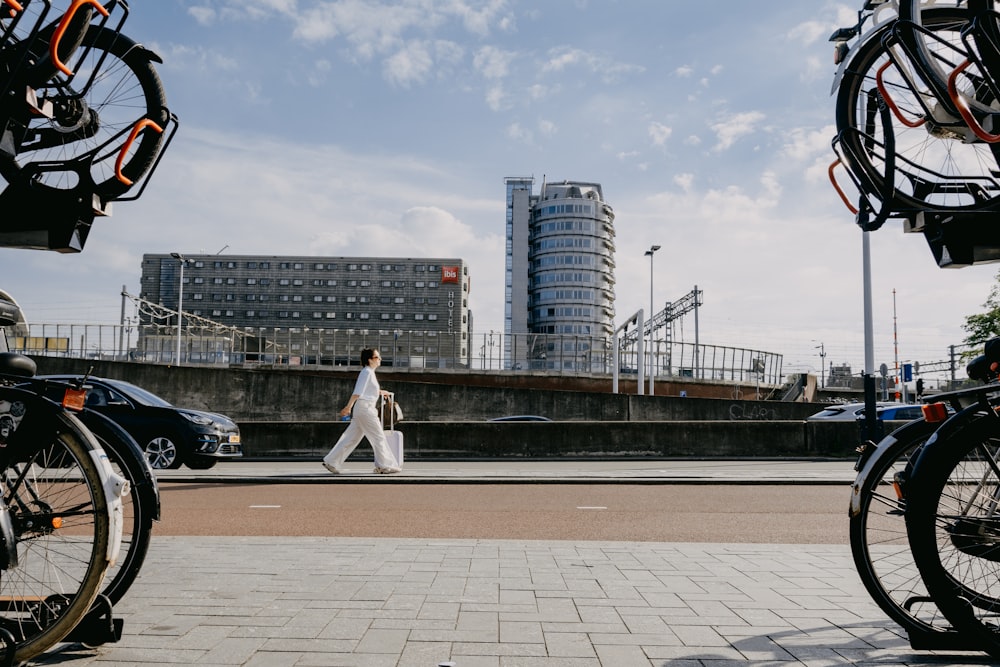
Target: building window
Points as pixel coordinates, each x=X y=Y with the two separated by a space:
x=419 y=283
x=366 y=283
x=297 y=282
x=432 y=317
x=251 y=281
x=216 y=281
x=284 y=281
x=199 y=281
x=364 y=316
x=265 y=265
x=386 y=283
x=418 y=316
x=251 y=265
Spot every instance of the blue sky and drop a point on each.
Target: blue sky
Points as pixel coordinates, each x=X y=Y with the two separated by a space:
x=359 y=127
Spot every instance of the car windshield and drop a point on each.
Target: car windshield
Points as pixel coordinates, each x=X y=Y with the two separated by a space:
x=139 y=394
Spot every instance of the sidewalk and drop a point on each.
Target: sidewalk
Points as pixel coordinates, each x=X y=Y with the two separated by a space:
x=628 y=471
x=355 y=602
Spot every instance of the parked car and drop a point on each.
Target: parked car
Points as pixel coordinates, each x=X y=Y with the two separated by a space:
x=855 y=411
x=170 y=436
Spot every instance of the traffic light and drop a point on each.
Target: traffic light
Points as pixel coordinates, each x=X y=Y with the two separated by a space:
x=920 y=387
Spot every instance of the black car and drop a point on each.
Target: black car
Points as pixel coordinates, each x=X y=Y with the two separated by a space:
x=170 y=436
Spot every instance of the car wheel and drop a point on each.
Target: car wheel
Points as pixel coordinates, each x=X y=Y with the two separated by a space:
x=162 y=454
x=200 y=463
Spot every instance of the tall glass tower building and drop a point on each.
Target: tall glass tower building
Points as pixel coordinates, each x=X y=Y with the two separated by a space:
x=559 y=272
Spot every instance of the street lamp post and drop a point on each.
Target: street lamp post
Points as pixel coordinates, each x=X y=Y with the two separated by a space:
x=652 y=361
x=180 y=300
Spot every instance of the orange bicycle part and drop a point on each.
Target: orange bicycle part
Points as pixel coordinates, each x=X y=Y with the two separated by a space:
x=888 y=99
x=62 y=27
x=963 y=107
x=836 y=186
x=15 y=6
x=139 y=127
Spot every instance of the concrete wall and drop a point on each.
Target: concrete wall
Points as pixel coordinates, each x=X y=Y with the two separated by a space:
x=474 y=440
x=291 y=413
x=295 y=395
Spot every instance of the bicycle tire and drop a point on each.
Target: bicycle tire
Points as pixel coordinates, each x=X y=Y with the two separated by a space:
x=78 y=146
x=933 y=169
x=140 y=508
x=952 y=533
x=879 y=544
x=54 y=490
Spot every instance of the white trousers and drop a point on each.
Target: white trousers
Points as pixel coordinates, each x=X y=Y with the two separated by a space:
x=365 y=423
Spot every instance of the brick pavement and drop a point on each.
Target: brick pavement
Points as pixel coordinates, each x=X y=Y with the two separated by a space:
x=358 y=602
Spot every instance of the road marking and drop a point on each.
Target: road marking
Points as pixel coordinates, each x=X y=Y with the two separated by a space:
x=265 y=507
x=592 y=507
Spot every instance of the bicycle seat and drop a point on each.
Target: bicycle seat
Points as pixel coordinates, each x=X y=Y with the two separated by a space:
x=12 y=363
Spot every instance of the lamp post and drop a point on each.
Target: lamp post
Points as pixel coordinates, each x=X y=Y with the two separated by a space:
x=822 y=365
x=652 y=363
x=180 y=300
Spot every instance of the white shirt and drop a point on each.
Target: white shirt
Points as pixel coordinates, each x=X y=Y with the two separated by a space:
x=367 y=385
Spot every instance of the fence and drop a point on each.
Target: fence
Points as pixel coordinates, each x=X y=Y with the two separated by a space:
x=567 y=354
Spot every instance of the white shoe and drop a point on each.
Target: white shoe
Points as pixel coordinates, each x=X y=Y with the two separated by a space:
x=335 y=471
x=387 y=471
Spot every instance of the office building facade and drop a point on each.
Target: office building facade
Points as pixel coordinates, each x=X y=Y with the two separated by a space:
x=559 y=273
x=306 y=306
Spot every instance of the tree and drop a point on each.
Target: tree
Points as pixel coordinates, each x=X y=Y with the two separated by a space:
x=981 y=327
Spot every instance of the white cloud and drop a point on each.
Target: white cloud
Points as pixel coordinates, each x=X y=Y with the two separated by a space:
x=492 y=63
x=684 y=71
x=496 y=98
x=412 y=64
x=684 y=181
x=562 y=58
x=659 y=133
x=733 y=128
x=547 y=127
x=203 y=15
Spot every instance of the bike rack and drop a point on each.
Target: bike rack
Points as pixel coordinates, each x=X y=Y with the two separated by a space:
x=99 y=626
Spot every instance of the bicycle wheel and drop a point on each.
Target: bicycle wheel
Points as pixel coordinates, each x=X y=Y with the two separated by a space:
x=80 y=145
x=140 y=507
x=930 y=166
x=54 y=489
x=878 y=532
x=954 y=529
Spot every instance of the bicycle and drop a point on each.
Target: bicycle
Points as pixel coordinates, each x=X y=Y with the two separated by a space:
x=891 y=148
x=60 y=519
x=878 y=535
x=102 y=136
x=954 y=491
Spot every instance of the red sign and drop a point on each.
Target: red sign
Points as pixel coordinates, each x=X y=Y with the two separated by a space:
x=449 y=274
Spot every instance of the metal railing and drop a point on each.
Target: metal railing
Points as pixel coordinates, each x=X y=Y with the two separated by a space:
x=492 y=351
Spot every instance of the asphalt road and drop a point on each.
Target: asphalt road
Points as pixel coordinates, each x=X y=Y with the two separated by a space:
x=763 y=514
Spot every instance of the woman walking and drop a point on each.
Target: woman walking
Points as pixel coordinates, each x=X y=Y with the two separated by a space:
x=365 y=422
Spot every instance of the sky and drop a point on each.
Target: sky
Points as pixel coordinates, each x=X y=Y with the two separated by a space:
x=371 y=128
